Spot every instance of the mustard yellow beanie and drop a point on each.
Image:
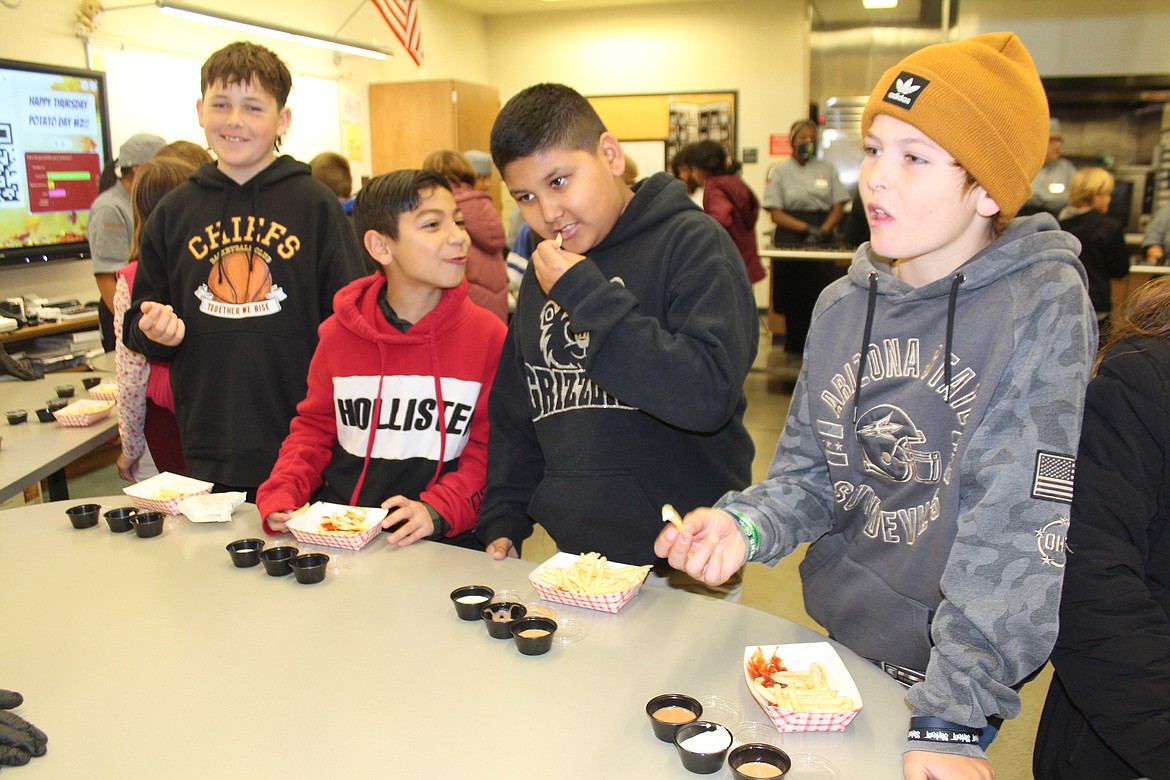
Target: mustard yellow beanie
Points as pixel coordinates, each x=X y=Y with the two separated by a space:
x=980 y=99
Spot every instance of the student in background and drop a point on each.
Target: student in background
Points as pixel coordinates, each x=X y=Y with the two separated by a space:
x=1108 y=708
x=481 y=163
x=630 y=174
x=332 y=170
x=191 y=152
x=487 y=277
x=146 y=404
x=728 y=199
x=401 y=344
x=620 y=385
x=111 y=224
x=680 y=168
x=1103 y=250
x=929 y=449
x=238 y=267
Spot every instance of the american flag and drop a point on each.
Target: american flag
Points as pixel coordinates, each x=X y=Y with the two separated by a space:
x=402 y=18
x=1053 y=479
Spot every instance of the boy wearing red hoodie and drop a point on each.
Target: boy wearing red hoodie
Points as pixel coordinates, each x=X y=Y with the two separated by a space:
x=396 y=411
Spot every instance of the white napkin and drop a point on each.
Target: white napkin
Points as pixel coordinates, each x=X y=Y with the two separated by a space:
x=211 y=507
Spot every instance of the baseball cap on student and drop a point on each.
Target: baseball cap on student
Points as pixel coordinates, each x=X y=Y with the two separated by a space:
x=139 y=148
x=481 y=162
x=980 y=99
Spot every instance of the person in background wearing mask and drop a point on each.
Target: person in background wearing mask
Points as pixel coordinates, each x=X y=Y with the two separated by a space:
x=111 y=223
x=1050 y=187
x=805 y=198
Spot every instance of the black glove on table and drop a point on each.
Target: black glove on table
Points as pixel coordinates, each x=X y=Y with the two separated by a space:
x=20 y=740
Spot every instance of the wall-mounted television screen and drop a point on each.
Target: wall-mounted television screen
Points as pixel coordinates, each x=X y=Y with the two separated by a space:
x=54 y=141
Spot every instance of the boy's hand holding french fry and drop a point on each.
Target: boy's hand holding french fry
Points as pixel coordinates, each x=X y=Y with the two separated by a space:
x=709 y=547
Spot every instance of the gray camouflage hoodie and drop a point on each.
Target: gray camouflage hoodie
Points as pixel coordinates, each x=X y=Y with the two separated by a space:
x=938 y=516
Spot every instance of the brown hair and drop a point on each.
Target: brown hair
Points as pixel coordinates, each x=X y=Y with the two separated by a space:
x=187 y=151
x=1146 y=313
x=246 y=63
x=332 y=169
x=155 y=178
x=451 y=164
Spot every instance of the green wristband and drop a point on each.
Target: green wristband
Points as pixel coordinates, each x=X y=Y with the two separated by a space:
x=751 y=534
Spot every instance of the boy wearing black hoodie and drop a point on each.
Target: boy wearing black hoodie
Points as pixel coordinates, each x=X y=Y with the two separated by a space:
x=238 y=268
x=620 y=386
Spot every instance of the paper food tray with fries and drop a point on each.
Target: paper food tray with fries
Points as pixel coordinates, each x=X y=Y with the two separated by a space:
x=587 y=580
x=83 y=412
x=802 y=687
x=106 y=391
x=337 y=525
x=164 y=491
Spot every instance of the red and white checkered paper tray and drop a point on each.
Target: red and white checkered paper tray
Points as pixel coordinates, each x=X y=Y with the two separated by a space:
x=607 y=602
x=106 y=391
x=306 y=527
x=83 y=412
x=799 y=657
x=163 y=492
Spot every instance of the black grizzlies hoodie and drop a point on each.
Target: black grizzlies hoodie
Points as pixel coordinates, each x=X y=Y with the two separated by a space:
x=251 y=269
x=623 y=389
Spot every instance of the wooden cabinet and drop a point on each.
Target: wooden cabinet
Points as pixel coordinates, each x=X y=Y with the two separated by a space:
x=411 y=119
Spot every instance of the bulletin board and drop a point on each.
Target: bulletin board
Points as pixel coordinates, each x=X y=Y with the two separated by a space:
x=677 y=118
x=155 y=92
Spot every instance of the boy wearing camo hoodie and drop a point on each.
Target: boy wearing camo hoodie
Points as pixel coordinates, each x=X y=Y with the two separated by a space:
x=928 y=452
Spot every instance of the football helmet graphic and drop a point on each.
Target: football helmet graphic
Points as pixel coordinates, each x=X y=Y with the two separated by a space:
x=887 y=436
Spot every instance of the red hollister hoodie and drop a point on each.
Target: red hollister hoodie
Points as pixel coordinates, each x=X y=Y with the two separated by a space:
x=390 y=413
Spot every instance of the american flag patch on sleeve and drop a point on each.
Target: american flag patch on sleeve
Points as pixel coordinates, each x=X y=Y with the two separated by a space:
x=1053 y=479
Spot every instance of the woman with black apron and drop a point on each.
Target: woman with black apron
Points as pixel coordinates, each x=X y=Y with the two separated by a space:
x=805 y=198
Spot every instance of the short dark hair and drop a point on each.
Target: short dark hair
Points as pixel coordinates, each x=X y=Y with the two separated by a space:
x=332 y=169
x=544 y=117
x=385 y=198
x=243 y=63
x=710 y=157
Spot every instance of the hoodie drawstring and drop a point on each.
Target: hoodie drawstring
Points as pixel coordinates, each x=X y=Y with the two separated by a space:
x=441 y=411
x=864 y=359
x=357 y=488
x=440 y=418
x=958 y=279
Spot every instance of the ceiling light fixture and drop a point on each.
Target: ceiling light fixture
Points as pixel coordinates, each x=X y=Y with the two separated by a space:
x=871 y=5
x=185 y=11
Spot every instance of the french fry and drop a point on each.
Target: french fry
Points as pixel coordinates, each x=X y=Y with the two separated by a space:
x=590 y=576
x=800 y=691
x=671 y=515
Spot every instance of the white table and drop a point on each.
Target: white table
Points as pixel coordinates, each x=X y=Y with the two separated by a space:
x=33 y=451
x=149 y=658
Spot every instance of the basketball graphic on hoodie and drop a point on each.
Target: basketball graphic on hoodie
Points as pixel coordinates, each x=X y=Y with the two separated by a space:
x=239 y=278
